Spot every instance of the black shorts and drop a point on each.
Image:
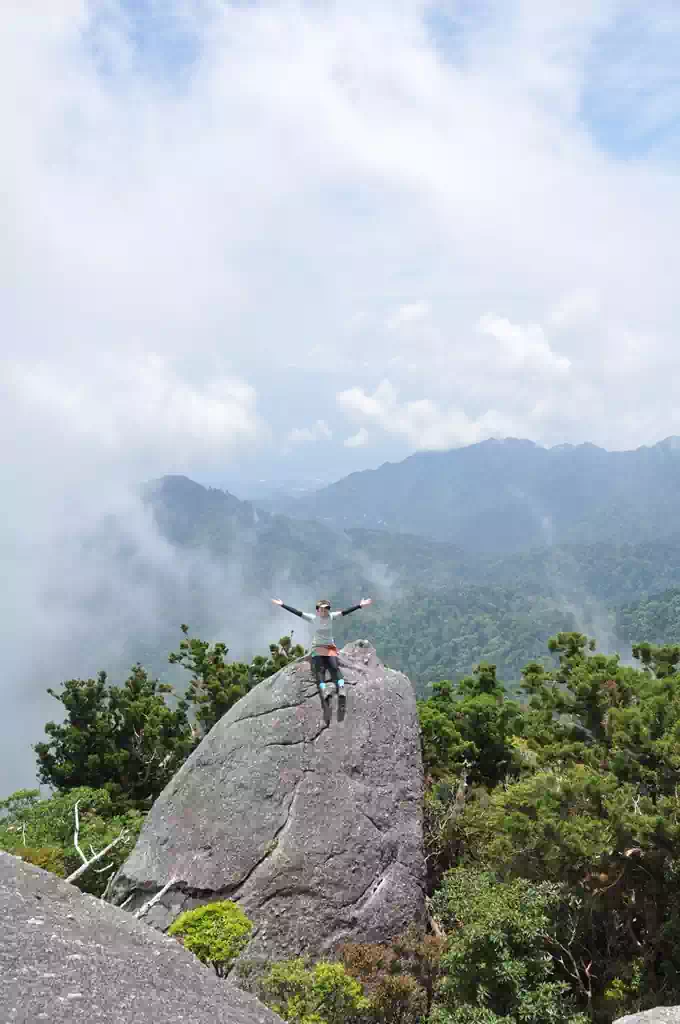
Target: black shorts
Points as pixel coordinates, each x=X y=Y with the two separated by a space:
x=321 y=662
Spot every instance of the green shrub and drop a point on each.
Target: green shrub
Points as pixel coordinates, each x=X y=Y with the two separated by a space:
x=216 y=933
x=124 y=739
x=49 y=858
x=322 y=994
x=42 y=832
x=465 y=1015
x=623 y=994
x=498 y=963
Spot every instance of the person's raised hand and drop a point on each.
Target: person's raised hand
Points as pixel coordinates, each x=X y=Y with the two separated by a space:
x=365 y=600
x=275 y=600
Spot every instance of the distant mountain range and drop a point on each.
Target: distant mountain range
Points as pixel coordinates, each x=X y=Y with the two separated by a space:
x=439 y=607
x=511 y=495
x=490 y=550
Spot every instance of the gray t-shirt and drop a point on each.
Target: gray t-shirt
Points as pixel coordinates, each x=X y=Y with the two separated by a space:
x=323 y=632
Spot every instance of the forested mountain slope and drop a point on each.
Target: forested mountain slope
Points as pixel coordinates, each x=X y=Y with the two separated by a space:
x=438 y=608
x=506 y=496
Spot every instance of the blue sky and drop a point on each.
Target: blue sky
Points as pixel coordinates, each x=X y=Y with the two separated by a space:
x=163 y=43
x=630 y=97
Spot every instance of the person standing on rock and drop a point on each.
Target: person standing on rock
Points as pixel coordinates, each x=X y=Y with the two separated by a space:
x=324 y=651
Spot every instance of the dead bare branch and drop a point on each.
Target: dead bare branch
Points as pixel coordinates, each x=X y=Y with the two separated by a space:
x=76 y=834
x=573 y=969
x=154 y=899
x=98 y=856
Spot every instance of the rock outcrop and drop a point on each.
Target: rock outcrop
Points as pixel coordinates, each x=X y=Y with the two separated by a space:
x=311 y=821
x=661 y=1015
x=66 y=957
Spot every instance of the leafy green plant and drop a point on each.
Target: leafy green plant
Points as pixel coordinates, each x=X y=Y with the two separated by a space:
x=49 y=858
x=217 y=684
x=42 y=832
x=324 y=993
x=623 y=993
x=216 y=933
x=470 y=724
x=125 y=739
x=499 y=958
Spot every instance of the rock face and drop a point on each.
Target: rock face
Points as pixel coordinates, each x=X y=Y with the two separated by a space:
x=311 y=820
x=67 y=957
x=662 y=1015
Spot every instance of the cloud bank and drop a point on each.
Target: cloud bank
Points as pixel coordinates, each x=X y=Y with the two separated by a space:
x=209 y=202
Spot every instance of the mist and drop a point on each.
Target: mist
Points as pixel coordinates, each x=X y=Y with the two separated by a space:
x=102 y=592
x=99 y=587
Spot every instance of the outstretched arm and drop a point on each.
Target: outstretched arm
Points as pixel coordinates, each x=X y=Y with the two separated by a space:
x=355 y=607
x=296 y=611
x=288 y=608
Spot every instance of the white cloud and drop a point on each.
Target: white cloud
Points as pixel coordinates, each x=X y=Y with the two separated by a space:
x=505 y=379
x=319 y=431
x=147 y=411
x=357 y=440
x=522 y=347
x=421 y=423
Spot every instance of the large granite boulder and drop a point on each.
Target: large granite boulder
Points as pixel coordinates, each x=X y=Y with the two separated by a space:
x=311 y=821
x=67 y=957
x=661 y=1015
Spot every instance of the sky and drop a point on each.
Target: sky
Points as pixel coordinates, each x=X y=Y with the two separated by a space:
x=263 y=242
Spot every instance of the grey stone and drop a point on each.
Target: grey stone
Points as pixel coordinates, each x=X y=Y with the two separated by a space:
x=311 y=821
x=661 y=1015
x=67 y=957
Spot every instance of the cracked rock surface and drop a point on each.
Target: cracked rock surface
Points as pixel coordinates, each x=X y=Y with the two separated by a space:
x=66 y=957
x=311 y=822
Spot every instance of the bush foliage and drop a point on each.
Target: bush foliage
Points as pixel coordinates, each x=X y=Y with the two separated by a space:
x=216 y=933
